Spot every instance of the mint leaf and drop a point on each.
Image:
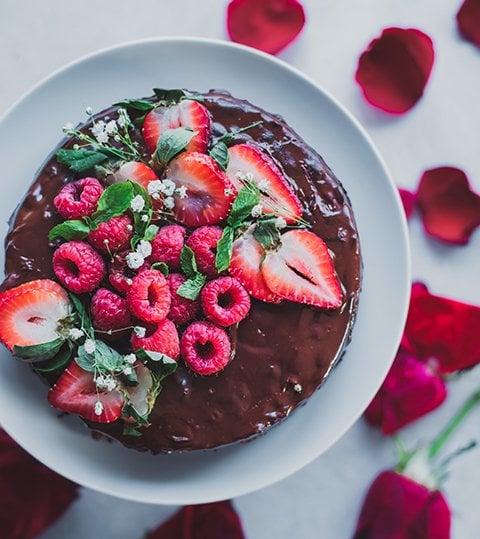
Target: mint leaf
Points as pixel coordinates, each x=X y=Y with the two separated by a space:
x=220 y=153
x=162 y=364
x=188 y=262
x=130 y=430
x=171 y=143
x=129 y=411
x=80 y=160
x=161 y=266
x=115 y=201
x=224 y=249
x=38 y=352
x=247 y=198
x=136 y=104
x=107 y=358
x=227 y=138
x=58 y=362
x=85 y=322
x=192 y=287
x=69 y=230
x=150 y=232
x=267 y=234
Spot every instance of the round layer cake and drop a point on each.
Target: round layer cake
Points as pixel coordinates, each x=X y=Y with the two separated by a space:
x=295 y=252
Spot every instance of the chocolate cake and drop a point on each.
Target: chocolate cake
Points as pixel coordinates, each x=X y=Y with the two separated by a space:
x=288 y=274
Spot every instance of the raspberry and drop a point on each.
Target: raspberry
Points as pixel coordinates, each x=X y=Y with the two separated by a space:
x=205 y=347
x=78 y=199
x=168 y=244
x=78 y=266
x=114 y=235
x=120 y=275
x=182 y=310
x=161 y=337
x=109 y=311
x=203 y=243
x=149 y=296
x=225 y=301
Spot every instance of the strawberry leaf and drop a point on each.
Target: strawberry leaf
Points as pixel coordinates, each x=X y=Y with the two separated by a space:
x=224 y=249
x=80 y=160
x=38 y=352
x=69 y=230
x=220 y=153
x=171 y=143
x=115 y=201
x=192 y=287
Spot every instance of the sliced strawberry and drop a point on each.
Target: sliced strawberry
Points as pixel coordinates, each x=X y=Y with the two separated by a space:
x=302 y=270
x=187 y=113
x=139 y=173
x=75 y=392
x=280 y=197
x=209 y=194
x=245 y=266
x=143 y=394
x=30 y=313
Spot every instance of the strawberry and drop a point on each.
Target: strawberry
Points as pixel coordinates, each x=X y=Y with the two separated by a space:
x=143 y=394
x=277 y=196
x=187 y=113
x=30 y=313
x=302 y=270
x=209 y=192
x=245 y=267
x=136 y=172
x=76 y=392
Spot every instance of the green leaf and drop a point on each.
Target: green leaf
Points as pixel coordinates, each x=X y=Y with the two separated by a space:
x=192 y=287
x=267 y=234
x=224 y=249
x=85 y=322
x=141 y=226
x=107 y=358
x=129 y=411
x=188 y=262
x=169 y=97
x=84 y=360
x=171 y=143
x=38 y=352
x=58 y=362
x=247 y=198
x=220 y=153
x=161 y=266
x=80 y=160
x=136 y=104
x=162 y=364
x=115 y=201
x=69 y=230
x=150 y=232
x=230 y=136
x=130 y=430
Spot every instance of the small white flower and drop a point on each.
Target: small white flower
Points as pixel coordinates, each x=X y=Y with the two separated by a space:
x=156 y=196
x=138 y=203
x=264 y=185
x=106 y=241
x=280 y=222
x=168 y=187
x=127 y=370
x=134 y=260
x=298 y=388
x=130 y=359
x=123 y=118
x=98 y=128
x=102 y=138
x=110 y=383
x=140 y=331
x=169 y=203
x=117 y=138
x=129 y=228
x=76 y=147
x=154 y=187
x=111 y=127
x=98 y=408
x=89 y=111
x=100 y=381
x=144 y=218
x=75 y=334
x=181 y=191
x=89 y=346
x=129 y=282
x=257 y=210
x=227 y=192
x=144 y=247
x=67 y=127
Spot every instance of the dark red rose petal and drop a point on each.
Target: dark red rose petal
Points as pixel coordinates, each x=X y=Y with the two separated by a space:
x=206 y=521
x=450 y=209
x=268 y=25
x=410 y=391
x=398 y=507
x=32 y=497
x=408 y=201
x=395 y=68
x=468 y=21
x=442 y=330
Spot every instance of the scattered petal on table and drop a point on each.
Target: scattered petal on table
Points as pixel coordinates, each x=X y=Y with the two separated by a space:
x=468 y=21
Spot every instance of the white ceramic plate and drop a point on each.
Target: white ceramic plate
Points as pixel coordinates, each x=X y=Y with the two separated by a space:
x=32 y=128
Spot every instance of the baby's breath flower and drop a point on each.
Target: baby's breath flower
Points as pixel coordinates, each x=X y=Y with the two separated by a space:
x=298 y=388
x=67 y=127
x=75 y=334
x=76 y=147
x=98 y=408
x=117 y=138
x=98 y=128
x=257 y=210
x=102 y=138
x=129 y=282
x=144 y=218
x=127 y=370
x=129 y=228
x=123 y=118
x=138 y=203
x=264 y=185
x=134 y=260
x=100 y=381
x=130 y=359
x=154 y=187
x=280 y=222
x=89 y=111
x=111 y=127
x=89 y=346
x=169 y=203
x=140 y=331
x=168 y=187
x=181 y=191
x=110 y=383
x=144 y=247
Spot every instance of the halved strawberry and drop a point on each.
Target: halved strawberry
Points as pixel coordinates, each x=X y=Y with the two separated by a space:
x=30 y=313
x=187 y=113
x=280 y=197
x=245 y=266
x=302 y=270
x=143 y=394
x=209 y=194
x=75 y=392
x=139 y=173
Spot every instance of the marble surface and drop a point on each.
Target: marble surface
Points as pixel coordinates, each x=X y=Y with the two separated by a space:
x=324 y=498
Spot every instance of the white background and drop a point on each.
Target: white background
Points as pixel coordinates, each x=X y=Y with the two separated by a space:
x=324 y=498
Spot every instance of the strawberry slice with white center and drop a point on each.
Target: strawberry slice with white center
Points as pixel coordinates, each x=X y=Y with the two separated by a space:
x=143 y=394
x=187 y=113
x=75 y=392
x=30 y=313
x=139 y=173
x=245 y=264
x=302 y=270
x=277 y=196
x=209 y=193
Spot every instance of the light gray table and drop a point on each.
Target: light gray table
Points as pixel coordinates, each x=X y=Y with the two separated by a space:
x=323 y=499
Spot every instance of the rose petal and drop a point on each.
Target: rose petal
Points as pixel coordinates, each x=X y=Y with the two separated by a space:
x=32 y=497
x=398 y=507
x=268 y=25
x=408 y=201
x=395 y=68
x=206 y=521
x=450 y=209
x=442 y=329
x=468 y=21
x=410 y=391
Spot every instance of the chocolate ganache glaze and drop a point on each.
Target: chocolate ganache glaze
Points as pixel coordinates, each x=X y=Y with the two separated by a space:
x=283 y=352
